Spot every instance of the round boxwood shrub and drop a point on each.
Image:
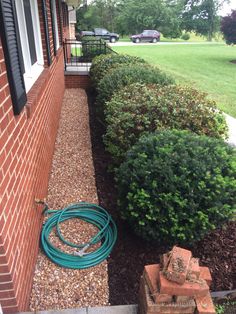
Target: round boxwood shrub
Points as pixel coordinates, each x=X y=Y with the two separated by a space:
x=176 y=186
x=122 y=76
x=104 y=63
x=185 y=36
x=140 y=108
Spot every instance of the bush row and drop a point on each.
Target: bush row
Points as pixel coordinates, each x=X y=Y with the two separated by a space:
x=140 y=108
x=176 y=177
x=104 y=63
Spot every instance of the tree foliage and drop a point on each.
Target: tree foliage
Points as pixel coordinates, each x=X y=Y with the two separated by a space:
x=201 y=16
x=132 y=16
x=169 y=17
x=100 y=13
x=135 y=16
x=228 y=28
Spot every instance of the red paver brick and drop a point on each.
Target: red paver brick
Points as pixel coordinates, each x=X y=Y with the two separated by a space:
x=151 y=275
x=147 y=305
x=205 y=305
x=182 y=298
x=206 y=275
x=187 y=289
x=177 y=269
x=194 y=269
x=164 y=261
x=162 y=298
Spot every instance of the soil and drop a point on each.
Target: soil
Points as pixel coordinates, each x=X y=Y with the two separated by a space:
x=125 y=265
x=233 y=61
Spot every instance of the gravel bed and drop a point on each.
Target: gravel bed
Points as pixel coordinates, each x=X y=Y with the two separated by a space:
x=72 y=180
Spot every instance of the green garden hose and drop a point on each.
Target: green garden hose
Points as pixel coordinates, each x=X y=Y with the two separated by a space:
x=91 y=213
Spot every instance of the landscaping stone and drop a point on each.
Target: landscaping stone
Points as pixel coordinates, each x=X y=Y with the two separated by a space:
x=72 y=180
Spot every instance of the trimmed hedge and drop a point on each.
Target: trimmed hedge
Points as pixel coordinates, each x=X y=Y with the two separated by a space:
x=104 y=63
x=122 y=76
x=176 y=186
x=139 y=108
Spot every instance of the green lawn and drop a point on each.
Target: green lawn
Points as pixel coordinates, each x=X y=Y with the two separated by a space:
x=204 y=66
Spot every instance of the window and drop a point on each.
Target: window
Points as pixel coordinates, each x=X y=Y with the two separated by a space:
x=30 y=37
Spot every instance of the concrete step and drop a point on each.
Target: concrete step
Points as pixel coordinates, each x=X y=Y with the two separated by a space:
x=119 y=309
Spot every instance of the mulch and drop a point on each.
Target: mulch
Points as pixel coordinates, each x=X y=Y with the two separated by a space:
x=125 y=265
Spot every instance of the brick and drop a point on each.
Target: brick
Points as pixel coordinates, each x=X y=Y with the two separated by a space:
x=29 y=169
x=164 y=261
x=205 y=305
x=10 y=309
x=177 y=269
x=151 y=275
x=206 y=275
x=194 y=269
x=7 y=294
x=187 y=289
x=147 y=305
x=8 y=302
x=162 y=298
x=181 y=298
x=6 y=286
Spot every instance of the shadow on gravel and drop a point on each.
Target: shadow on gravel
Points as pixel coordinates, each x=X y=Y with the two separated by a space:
x=130 y=254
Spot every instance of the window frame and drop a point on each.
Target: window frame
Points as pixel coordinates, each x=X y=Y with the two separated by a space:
x=32 y=71
x=55 y=28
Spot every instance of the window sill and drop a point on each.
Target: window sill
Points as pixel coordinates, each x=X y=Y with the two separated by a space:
x=35 y=93
x=31 y=78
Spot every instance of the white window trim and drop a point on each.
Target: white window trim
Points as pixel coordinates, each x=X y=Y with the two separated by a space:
x=32 y=72
x=55 y=23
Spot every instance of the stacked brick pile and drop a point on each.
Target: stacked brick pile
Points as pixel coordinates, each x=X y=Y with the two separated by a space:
x=177 y=285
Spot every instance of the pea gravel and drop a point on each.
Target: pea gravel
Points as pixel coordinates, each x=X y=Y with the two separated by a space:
x=72 y=180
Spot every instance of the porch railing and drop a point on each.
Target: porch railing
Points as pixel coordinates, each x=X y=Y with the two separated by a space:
x=79 y=54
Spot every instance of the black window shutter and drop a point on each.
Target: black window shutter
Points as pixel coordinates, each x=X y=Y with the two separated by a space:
x=12 y=53
x=47 y=40
x=53 y=27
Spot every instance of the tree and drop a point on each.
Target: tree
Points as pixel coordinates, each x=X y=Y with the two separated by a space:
x=99 y=13
x=136 y=15
x=228 y=28
x=202 y=17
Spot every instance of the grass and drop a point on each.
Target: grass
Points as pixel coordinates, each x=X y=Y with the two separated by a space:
x=204 y=66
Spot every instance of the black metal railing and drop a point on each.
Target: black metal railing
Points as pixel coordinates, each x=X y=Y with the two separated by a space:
x=80 y=53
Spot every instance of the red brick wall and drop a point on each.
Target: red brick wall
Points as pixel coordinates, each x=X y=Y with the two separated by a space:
x=26 y=149
x=77 y=81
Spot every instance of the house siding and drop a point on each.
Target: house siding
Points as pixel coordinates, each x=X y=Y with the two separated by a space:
x=26 y=149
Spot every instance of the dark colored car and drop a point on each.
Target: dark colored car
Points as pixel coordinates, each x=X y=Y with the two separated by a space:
x=151 y=36
x=99 y=33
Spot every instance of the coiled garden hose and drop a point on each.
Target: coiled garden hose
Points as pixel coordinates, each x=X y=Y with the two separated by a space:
x=91 y=213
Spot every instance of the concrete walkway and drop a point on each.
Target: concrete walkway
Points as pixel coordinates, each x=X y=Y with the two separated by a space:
x=232 y=129
x=119 y=309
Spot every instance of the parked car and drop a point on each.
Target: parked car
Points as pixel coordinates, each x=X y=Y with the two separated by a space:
x=99 y=33
x=151 y=36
